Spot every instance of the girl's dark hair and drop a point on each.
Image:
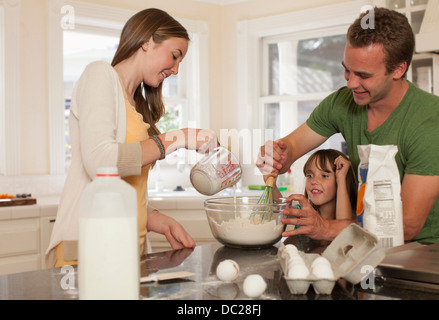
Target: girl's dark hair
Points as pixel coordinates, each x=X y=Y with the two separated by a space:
x=139 y=29
x=321 y=159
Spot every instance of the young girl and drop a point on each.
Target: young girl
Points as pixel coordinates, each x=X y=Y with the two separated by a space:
x=330 y=184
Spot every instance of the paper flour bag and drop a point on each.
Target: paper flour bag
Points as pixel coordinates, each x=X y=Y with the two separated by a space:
x=379 y=205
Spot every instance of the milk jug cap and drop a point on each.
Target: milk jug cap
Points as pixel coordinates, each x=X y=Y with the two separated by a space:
x=107 y=172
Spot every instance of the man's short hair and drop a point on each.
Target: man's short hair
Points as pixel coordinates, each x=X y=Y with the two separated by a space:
x=391 y=29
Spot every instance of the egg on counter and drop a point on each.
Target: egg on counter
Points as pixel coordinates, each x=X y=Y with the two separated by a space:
x=254 y=285
x=227 y=270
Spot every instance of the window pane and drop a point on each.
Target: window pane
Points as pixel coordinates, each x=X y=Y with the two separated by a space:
x=80 y=49
x=170 y=86
x=319 y=64
x=172 y=118
x=306 y=66
x=273 y=72
x=272 y=118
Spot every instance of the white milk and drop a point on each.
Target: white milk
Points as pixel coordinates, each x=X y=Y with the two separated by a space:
x=108 y=246
x=102 y=275
x=215 y=172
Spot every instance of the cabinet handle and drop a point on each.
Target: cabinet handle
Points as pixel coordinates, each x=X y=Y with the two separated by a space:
x=52 y=220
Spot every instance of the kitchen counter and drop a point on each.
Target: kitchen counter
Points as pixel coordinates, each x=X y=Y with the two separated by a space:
x=61 y=283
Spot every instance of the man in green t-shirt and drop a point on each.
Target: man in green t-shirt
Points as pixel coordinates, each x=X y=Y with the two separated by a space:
x=377 y=106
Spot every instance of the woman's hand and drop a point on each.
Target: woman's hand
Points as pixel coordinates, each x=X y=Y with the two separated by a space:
x=201 y=140
x=174 y=232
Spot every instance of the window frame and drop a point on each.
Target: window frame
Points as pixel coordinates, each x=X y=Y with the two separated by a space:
x=91 y=17
x=289 y=115
x=251 y=34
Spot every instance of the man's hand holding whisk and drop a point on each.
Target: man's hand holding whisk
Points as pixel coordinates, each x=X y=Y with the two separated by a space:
x=272 y=158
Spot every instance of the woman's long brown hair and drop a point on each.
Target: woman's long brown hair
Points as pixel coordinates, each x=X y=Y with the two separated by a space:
x=139 y=29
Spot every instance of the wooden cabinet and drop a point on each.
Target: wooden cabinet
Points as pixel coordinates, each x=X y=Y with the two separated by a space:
x=20 y=245
x=46 y=226
x=24 y=236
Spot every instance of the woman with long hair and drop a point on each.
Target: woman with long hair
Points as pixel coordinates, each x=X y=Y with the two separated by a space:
x=113 y=117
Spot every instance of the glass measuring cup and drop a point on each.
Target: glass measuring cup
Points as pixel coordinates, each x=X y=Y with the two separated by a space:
x=215 y=172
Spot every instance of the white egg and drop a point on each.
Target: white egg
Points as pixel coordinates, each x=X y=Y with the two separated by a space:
x=227 y=270
x=319 y=260
x=323 y=271
x=284 y=255
x=295 y=259
x=291 y=248
x=298 y=271
x=254 y=285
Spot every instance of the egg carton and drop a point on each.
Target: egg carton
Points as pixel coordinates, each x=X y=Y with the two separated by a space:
x=348 y=253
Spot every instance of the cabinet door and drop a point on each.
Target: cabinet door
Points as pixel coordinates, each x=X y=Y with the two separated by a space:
x=19 y=245
x=21 y=236
x=46 y=231
x=22 y=263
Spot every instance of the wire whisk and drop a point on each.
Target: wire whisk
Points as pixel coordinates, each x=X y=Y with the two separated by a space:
x=264 y=211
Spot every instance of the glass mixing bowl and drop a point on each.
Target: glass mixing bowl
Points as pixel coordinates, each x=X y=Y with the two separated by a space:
x=241 y=222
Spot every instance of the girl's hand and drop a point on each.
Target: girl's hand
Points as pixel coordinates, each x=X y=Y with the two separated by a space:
x=341 y=168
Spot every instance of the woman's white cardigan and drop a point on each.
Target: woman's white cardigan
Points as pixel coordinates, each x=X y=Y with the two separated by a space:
x=98 y=131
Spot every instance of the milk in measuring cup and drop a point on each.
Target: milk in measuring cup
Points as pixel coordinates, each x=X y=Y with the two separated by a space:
x=215 y=172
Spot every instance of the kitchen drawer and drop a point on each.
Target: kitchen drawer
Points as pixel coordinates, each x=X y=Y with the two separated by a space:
x=20 y=263
x=18 y=237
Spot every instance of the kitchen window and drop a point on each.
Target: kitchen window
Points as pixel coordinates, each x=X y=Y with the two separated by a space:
x=299 y=71
x=82 y=48
x=94 y=35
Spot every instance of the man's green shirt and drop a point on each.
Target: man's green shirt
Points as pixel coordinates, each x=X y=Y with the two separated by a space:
x=413 y=126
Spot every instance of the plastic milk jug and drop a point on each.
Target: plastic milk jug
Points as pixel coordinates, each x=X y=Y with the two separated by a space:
x=108 y=261
x=215 y=172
